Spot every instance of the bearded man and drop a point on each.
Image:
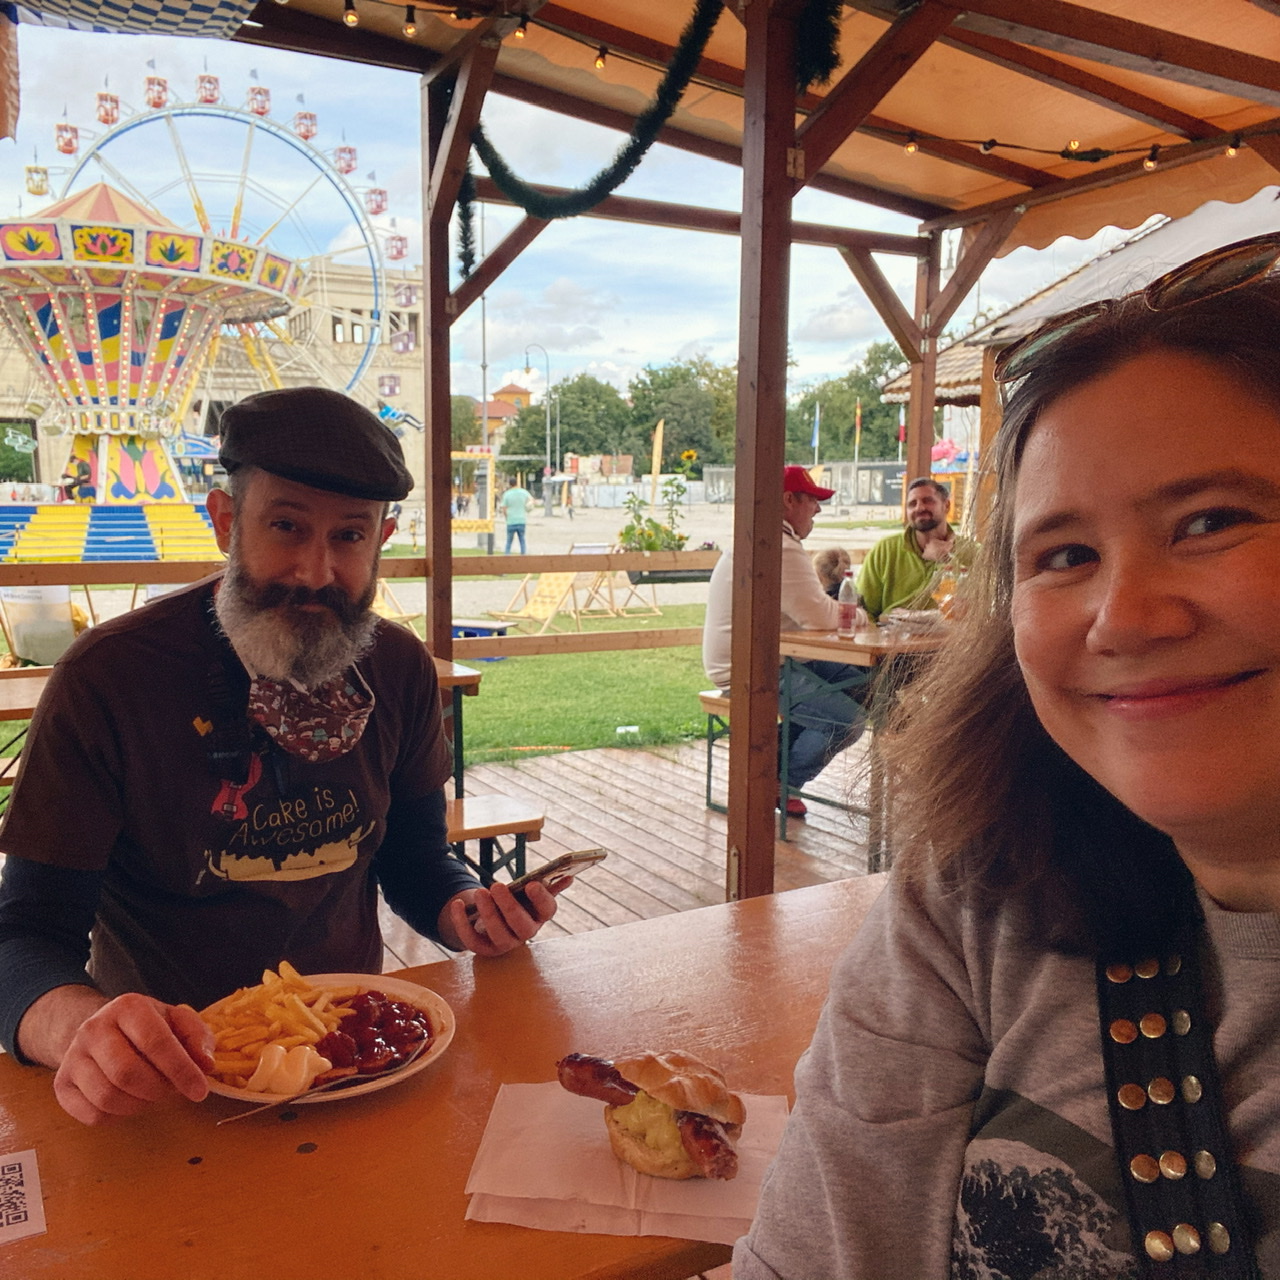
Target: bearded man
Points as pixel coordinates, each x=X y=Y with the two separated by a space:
x=900 y=570
x=225 y=778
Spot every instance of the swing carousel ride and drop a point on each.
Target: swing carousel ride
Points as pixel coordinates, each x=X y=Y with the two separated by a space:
x=163 y=283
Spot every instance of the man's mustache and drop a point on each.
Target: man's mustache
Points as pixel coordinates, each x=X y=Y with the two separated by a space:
x=275 y=595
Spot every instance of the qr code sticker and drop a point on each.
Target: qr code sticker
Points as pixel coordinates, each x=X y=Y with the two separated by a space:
x=21 y=1204
x=13 y=1194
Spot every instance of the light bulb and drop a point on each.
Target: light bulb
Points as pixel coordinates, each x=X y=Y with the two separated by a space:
x=601 y=54
x=912 y=145
x=1153 y=159
x=523 y=27
x=349 y=14
x=410 y=27
x=1073 y=145
x=1233 y=148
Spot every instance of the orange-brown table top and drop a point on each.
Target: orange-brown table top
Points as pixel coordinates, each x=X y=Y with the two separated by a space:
x=863 y=649
x=372 y=1187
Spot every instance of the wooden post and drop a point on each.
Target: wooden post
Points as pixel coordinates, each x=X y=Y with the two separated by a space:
x=768 y=141
x=450 y=108
x=924 y=373
x=991 y=414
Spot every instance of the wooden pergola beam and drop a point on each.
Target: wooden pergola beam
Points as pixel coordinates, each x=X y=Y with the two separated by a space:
x=864 y=85
x=1081 y=83
x=496 y=261
x=726 y=152
x=1133 y=46
x=961 y=153
x=979 y=245
x=466 y=97
x=660 y=213
x=880 y=293
x=656 y=53
x=1100 y=177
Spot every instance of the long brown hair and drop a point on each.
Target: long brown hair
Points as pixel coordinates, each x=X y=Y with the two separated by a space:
x=981 y=795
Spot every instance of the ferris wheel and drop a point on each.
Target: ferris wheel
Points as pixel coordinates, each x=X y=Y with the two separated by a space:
x=209 y=167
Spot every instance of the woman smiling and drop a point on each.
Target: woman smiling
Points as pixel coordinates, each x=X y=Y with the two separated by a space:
x=1054 y=1049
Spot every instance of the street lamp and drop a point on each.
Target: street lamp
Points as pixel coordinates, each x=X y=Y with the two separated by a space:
x=546 y=400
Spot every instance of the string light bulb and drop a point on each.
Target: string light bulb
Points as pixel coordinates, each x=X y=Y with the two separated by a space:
x=1153 y=159
x=410 y=27
x=349 y=14
x=1073 y=145
x=523 y=27
x=1233 y=147
x=601 y=54
x=912 y=145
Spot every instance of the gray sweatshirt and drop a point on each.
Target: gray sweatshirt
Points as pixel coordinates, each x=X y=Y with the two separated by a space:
x=951 y=1117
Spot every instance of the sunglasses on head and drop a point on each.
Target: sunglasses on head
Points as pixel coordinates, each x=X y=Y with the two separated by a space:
x=1218 y=271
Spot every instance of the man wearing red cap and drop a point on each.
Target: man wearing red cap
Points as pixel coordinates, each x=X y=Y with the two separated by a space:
x=824 y=720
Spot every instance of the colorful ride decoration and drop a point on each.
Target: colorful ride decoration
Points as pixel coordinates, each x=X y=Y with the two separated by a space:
x=117 y=307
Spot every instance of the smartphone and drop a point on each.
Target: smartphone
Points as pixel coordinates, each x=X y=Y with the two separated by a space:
x=567 y=864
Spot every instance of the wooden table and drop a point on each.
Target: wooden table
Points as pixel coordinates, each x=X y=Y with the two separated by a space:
x=371 y=1188
x=865 y=648
x=20 y=690
x=460 y=681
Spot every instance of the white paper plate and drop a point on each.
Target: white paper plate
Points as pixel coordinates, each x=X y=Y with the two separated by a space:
x=442 y=1028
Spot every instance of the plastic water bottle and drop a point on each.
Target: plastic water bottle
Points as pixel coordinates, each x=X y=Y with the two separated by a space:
x=848 y=602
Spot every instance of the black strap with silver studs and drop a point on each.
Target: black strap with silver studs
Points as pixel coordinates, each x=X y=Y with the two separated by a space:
x=1185 y=1206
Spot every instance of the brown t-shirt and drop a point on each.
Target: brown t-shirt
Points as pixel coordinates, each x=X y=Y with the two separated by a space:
x=207 y=883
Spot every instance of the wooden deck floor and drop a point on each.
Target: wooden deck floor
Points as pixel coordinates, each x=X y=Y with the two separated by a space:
x=666 y=849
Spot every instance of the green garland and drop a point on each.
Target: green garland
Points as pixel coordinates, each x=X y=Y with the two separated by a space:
x=817 y=56
x=817 y=43
x=466 y=222
x=693 y=40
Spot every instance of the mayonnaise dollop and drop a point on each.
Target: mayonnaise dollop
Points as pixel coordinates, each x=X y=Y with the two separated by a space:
x=287 y=1071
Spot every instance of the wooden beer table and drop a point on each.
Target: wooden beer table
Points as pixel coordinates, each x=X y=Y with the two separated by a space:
x=867 y=647
x=460 y=681
x=372 y=1187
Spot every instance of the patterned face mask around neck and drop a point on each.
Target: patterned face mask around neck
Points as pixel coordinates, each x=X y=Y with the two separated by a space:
x=313 y=724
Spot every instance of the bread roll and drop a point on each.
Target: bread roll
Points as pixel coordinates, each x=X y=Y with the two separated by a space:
x=685 y=1083
x=643 y=1133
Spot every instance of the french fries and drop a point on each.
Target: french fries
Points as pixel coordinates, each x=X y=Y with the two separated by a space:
x=284 y=1010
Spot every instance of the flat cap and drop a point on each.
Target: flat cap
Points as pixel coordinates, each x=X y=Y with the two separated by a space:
x=316 y=437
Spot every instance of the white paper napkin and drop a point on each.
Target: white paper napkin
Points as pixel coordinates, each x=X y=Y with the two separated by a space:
x=545 y=1162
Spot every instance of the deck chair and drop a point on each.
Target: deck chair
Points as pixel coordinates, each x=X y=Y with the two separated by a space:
x=539 y=598
x=387 y=606
x=594 y=587
x=39 y=622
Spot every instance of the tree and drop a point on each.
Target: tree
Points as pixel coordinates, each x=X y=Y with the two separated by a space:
x=697 y=401
x=593 y=419
x=839 y=399
x=15 y=464
x=465 y=422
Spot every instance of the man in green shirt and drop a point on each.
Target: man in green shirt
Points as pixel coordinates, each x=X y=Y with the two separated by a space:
x=900 y=570
x=515 y=508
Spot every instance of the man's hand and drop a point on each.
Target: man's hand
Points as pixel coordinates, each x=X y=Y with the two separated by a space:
x=117 y=1057
x=501 y=923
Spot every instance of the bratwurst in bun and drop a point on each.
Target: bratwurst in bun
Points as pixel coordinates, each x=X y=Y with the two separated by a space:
x=669 y=1115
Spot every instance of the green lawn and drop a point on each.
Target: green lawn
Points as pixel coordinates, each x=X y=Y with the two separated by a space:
x=572 y=701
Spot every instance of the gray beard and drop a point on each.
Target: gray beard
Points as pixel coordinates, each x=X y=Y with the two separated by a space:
x=274 y=638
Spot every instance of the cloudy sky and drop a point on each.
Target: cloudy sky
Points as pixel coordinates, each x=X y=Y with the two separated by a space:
x=604 y=298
